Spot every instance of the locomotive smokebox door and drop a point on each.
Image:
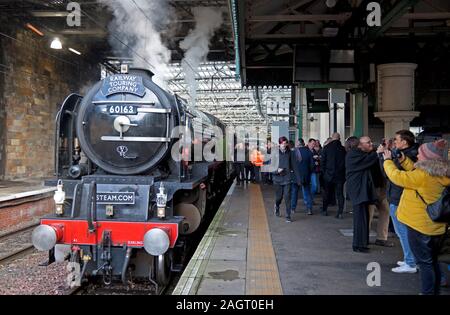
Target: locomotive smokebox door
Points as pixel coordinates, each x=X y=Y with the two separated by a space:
x=124 y=123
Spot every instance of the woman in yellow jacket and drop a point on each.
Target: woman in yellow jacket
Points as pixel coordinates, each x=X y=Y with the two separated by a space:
x=428 y=177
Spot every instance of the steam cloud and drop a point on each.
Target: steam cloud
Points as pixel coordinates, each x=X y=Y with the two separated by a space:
x=196 y=44
x=139 y=25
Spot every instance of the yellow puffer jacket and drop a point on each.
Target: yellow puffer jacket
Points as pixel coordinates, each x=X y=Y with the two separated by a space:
x=429 y=178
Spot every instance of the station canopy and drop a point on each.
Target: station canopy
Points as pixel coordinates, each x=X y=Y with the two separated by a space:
x=219 y=89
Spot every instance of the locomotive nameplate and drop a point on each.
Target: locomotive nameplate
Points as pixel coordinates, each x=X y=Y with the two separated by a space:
x=123 y=83
x=116 y=198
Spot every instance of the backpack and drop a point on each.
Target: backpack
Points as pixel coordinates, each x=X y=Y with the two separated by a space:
x=439 y=211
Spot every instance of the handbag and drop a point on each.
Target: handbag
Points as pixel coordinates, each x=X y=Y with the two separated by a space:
x=439 y=211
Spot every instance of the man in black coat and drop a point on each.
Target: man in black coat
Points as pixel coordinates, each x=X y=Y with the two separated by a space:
x=282 y=177
x=333 y=173
x=361 y=189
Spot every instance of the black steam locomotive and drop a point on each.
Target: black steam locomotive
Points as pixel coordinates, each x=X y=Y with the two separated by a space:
x=124 y=208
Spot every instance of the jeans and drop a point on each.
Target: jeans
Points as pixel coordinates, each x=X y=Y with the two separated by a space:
x=402 y=233
x=307 y=197
x=280 y=192
x=315 y=185
x=426 y=250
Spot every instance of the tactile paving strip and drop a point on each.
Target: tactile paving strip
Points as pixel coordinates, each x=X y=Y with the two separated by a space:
x=262 y=271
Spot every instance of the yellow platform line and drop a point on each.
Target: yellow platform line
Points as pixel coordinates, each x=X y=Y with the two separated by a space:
x=262 y=271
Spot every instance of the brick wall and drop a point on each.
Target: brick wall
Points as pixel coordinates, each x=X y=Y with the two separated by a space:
x=25 y=212
x=35 y=81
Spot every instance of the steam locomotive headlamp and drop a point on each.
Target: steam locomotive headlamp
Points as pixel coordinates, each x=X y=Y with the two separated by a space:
x=156 y=242
x=44 y=237
x=161 y=201
x=59 y=197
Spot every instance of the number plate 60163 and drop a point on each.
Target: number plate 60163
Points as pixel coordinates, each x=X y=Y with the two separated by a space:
x=122 y=109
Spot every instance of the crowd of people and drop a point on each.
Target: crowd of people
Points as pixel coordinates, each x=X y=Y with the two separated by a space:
x=398 y=179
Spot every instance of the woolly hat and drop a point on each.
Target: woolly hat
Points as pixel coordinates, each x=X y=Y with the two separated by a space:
x=433 y=150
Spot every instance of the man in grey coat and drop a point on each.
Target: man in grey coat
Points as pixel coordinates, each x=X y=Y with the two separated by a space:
x=282 y=177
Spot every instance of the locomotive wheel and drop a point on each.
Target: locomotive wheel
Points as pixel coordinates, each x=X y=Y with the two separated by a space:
x=162 y=269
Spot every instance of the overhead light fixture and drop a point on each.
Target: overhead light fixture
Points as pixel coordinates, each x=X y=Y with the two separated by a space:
x=56 y=44
x=74 y=51
x=34 y=29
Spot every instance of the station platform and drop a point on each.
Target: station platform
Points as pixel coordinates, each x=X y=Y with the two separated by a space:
x=247 y=250
x=23 y=203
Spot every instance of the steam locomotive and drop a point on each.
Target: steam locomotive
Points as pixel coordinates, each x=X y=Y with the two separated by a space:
x=124 y=207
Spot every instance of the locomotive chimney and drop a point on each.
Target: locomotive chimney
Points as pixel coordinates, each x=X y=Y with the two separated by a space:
x=145 y=73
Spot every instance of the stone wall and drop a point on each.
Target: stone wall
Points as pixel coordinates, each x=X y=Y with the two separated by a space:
x=2 y=109
x=35 y=80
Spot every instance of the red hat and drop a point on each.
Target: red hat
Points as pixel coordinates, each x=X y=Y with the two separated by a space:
x=433 y=150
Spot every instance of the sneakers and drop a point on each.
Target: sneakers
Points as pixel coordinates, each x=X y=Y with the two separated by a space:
x=404 y=269
x=288 y=220
x=400 y=263
x=309 y=212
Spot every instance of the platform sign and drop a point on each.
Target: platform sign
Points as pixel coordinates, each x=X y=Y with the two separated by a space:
x=317 y=100
x=123 y=83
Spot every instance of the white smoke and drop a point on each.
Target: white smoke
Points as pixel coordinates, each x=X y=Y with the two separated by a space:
x=139 y=24
x=196 y=44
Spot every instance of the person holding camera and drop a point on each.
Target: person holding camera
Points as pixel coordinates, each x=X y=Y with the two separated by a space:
x=423 y=183
x=404 y=143
x=282 y=177
x=360 y=187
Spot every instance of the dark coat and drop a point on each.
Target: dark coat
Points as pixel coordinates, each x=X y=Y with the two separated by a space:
x=304 y=163
x=333 y=162
x=394 y=192
x=286 y=161
x=360 y=186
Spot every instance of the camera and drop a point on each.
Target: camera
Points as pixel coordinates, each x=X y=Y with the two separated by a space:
x=396 y=153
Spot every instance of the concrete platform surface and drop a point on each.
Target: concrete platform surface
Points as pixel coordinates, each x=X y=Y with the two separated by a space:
x=247 y=250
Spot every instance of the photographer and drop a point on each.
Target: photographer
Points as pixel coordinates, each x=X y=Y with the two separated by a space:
x=423 y=184
x=403 y=143
x=360 y=187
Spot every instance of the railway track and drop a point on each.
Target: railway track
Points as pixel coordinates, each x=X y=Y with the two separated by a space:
x=16 y=244
x=115 y=289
